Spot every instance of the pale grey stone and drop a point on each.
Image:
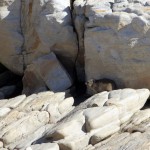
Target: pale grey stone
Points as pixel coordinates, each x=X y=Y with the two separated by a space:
x=75 y=142
x=104 y=117
x=128 y=101
x=45 y=146
x=11 y=38
x=4 y=111
x=66 y=105
x=113 y=42
x=47 y=69
x=49 y=22
x=25 y=126
x=14 y=102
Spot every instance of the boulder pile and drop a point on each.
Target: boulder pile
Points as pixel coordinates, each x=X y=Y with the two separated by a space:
x=75 y=39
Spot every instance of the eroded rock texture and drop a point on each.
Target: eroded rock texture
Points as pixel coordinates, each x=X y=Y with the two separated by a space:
x=116 y=40
x=102 y=39
x=11 y=38
x=50 y=121
x=33 y=29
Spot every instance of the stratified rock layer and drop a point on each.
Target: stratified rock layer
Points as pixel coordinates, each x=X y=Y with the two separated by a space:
x=49 y=120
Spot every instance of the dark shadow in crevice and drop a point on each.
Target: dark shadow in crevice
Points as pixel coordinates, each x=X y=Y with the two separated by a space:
x=10 y=83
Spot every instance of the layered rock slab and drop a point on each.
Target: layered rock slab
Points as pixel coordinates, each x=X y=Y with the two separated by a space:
x=49 y=120
x=97 y=123
x=32 y=29
x=26 y=119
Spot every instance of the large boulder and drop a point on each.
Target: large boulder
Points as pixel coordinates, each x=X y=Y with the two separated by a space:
x=49 y=120
x=116 y=40
x=46 y=71
x=31 y=30
x=47 y=27
x=11 y=38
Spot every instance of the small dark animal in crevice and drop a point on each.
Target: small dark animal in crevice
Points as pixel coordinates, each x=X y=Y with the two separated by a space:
x=97 y=86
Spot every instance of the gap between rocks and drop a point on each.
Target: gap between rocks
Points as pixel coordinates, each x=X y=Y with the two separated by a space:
x=10 y=83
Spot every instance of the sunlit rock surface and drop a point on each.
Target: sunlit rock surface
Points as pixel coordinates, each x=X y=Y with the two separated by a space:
x=49 y=120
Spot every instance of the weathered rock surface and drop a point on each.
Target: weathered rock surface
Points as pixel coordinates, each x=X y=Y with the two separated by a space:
x=31 y=30
x=24 y=120
x=113 y=41
x=46 y=71
x=11 y=38
x=38 y=40
x=49 y=121
x=116 y=40
x=47 y=27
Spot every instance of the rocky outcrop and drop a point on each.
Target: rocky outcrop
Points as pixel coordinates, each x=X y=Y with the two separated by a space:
x=50 y=121
x=47 y=27
x=33 y=29
x=116 y=40
x=11 y=38
x=47 y=42
x=46 y=71
x=90 y=39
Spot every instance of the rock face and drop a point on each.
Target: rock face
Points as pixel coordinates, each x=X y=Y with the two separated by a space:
x=47 y=27
x=33 y=29
x=11 y=38
x=49 y=121
x=44 y=40
x=116 y=39
x=46 y=70
x=102 y=39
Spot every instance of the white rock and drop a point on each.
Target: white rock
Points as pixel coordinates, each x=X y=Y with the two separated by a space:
x=42 y=101
x=4 y=111
x=49 y=70
x=99 y=118
x=105 y=132
x=10 y=118
x=113 y=42
x=66 y=105
x=1 y=144
x=10 y=25
x=29 y=139
x=98 y=100
x=50 y=25
x=25 y=126
x=70 y=128
x=54 y=113
x=14 y=102
x=140 y=116
x=75 y=142
x=3 y=102
x=70 y=125
x=128 y=101
x=45 y=146
x=28 y=148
